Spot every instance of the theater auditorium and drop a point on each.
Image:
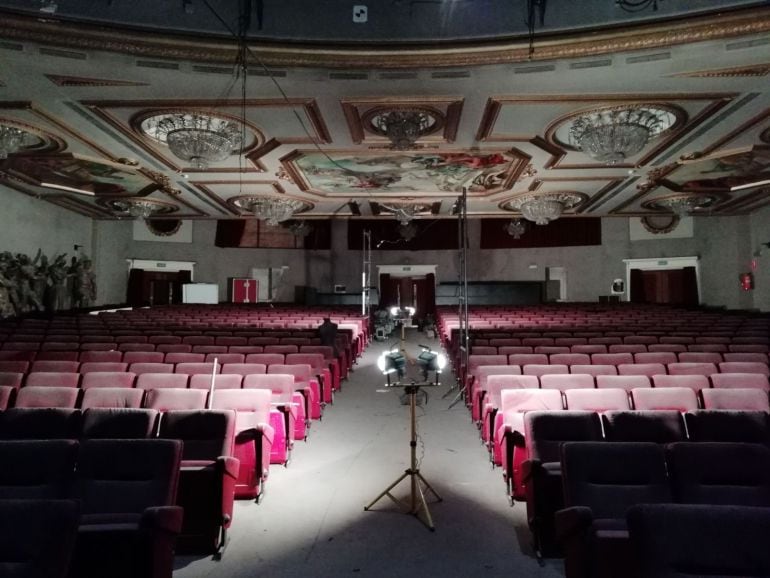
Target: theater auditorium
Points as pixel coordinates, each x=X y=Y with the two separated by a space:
x=391 y=289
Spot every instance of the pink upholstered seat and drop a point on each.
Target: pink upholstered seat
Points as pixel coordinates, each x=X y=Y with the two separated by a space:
x=570 y=358
x=662 y=357
x=692 y=368
x=55 y=366
x=678 y=398
x=599 y=400
x=491 y=400
x=536 y=369
x=101 y=366
x=514 y=404
x=288 y=410
x=111 y=379
x=175 y=399
x=162 y=380
x=628 y=348
x=222 y=381
x=694 y=382
x=648 y=369
x=115 y=397
x=750 y=399
x=244 y=368
x=52 y=379
x=253 y=435
x=740 y=380
x=143 y=357
x=594 y=370
x=139 y=368
x=590 y=349
x=744 y=367
x=523 y=359
x=626 y=382
x=61 y=397
x=611 y=358
x=700 y=357
x=563 y=381
x=185 y=358
x=223 y=358
x=267 y=359
x=196 y=368
x=756 y=357
x=11 y=378
x=478 y=387
x=100 y=356
x=304 y=381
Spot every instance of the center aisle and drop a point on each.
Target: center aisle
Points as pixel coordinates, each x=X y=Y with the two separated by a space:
x=311 y=521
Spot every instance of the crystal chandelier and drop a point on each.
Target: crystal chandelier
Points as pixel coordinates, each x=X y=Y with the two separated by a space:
x=194 y=137
x=683 y=205
x=515 y=228
x=612 y=135
x=11 y=140
x=139 y=207
x=403 y=126
x=300 y=228
x=272 y=210
x=544 y=208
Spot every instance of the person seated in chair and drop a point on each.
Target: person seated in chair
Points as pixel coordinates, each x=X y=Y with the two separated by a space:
x=327 y=331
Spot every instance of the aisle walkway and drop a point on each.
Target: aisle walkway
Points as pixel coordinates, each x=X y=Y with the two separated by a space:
x=311 y=521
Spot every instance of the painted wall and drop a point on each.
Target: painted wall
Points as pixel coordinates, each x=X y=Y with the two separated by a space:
x=724 y=244
x=29 y=224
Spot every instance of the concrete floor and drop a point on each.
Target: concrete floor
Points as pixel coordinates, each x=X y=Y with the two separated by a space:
x=311 y=521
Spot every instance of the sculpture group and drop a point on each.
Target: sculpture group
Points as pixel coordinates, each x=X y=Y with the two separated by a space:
x=40 y=284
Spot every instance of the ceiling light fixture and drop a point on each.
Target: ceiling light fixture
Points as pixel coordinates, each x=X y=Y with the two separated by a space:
x=404 y=126
x=272 y=210
x=195 y=137
x=11 y=140
x=637 y=5
x=515 y=228
x=545 y=207
x=138 y=207
x=612 y=135
x=684 y=204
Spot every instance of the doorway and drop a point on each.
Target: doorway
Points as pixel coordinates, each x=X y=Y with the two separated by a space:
x=155 y=287
x=670 y=280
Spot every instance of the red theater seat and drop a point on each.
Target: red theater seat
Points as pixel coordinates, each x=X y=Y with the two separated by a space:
x=112 y=397
x=162 y=381
x=100 y=356
x=740 y=380
x=108 y=379
x=221 y=381
x=737 y=398
x=47 y=397
x=165 y=400
x=52 y=379
x=694 y=382
x=102 y=366
x=143 y=357
x=678 y=398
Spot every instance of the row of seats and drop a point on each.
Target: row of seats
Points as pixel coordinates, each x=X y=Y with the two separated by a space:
x=602 y=482
x=91 y=509
x=710 y=353
x=545 y=432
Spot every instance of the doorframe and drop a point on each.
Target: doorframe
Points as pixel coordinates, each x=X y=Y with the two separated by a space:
x=660 y=264
x=163 y=266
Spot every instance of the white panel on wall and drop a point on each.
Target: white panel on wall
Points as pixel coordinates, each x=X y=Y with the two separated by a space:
x=183 y=235
x=637 y=232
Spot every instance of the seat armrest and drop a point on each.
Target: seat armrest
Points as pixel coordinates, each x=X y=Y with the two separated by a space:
x=573 y=521
x=530 y=468
x=229 y=465
x=164 y=518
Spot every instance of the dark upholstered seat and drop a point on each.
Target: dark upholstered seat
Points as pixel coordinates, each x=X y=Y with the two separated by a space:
x=36 y=469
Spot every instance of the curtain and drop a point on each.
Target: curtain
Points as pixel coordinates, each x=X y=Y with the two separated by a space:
x=636 y=289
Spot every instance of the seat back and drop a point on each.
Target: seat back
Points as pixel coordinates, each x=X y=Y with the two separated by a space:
x=55 y=366
x=599 y=400
x=546 y=431
x=252 y=406
x=39 y=423
x=539 y=370
x=244 y=368
x=110 y=379
x=662 y=357
x=746 y=399
x=101 y=366
x=660 y=427
x=627 y=382
x=143 y=357
x=740 y=380
x=54 y=397
x=727 y=426
x=197 y=368
x=119 y=423
x=52 y=379
x=229 y=381
x=40 y=541
x=563 y=382
x=162 y=381
x=744 y=367
x=151 y=367
x=694 y=382
x=302 y=372
x=611 y=477
x=115 y=397
x=126 y=476
x=175 y=399
x=687 y=540
x=598 y=369
x=720 y=473
x=678 y=398
x=281 y=385
x=266 y=359
x=39 y=469
x=206 y=434
x=11 y=379
x=101 y=356
x=692 y=369
x=648 y=369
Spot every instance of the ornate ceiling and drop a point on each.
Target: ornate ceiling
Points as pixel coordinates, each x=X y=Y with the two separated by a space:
x=498 y=120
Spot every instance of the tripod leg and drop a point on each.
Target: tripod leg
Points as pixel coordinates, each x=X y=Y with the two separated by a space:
x=386 y=492
x=423 y=504
x=429 y=487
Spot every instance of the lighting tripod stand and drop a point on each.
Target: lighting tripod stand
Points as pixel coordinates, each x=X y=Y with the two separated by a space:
x=416 y=502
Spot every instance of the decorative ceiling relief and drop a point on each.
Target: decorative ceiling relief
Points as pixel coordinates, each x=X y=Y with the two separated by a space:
x=723 y=172
x=341 y=173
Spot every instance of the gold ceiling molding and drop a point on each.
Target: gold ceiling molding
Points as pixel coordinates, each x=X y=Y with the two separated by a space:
x=80 y=81
x=645 y=36
x=734 y=72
